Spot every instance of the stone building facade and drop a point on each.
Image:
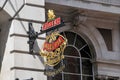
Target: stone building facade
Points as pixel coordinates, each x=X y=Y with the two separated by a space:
x=92 y=28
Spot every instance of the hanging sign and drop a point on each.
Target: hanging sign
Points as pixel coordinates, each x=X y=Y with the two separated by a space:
x=52 y=52
x=52 y=22
x=54 y=45
x=53 y=49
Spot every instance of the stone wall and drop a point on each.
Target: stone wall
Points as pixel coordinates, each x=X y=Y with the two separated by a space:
x=17 y=62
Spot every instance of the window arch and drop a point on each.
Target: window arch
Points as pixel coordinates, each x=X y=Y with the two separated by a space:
x=78 y=65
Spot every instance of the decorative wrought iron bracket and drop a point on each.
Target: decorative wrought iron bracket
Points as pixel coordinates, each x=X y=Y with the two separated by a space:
x=34 y=35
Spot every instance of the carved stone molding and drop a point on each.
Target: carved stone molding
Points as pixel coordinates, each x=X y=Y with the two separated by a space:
x=105 y=77
x=78 y=19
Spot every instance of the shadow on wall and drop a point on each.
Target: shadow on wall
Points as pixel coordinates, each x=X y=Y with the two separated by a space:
x=37 y=50
x=4 y=31
x=36 y=47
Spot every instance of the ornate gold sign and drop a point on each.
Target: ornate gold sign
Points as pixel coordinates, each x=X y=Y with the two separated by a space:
x=53 y=49
x=54 y=45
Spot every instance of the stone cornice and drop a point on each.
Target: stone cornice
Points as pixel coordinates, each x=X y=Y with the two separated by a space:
x=111 y=62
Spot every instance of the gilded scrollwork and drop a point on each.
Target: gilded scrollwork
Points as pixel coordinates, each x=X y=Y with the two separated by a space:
x=53 y=55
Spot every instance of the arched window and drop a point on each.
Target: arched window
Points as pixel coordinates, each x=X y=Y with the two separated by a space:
x=77 y=60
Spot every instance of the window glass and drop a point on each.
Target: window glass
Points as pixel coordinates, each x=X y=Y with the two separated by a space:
x=87 y=78
x=79 y=42
x=85 y=52
x=72 y=65
x=70 y=36
x=72 y=77
x=71 y=51
x=86 y=67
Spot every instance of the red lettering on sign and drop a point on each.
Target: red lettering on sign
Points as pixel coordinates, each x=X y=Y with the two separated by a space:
x=51 y=24
x=54 y=45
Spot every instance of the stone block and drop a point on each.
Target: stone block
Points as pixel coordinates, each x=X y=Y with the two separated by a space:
x=32 y=13
x=36 y=2
x=23 y=75
x=20 y=44
x=2 y=3
x=108 y=69
x=28 y=61
x=21 y=27
x=27 y=12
